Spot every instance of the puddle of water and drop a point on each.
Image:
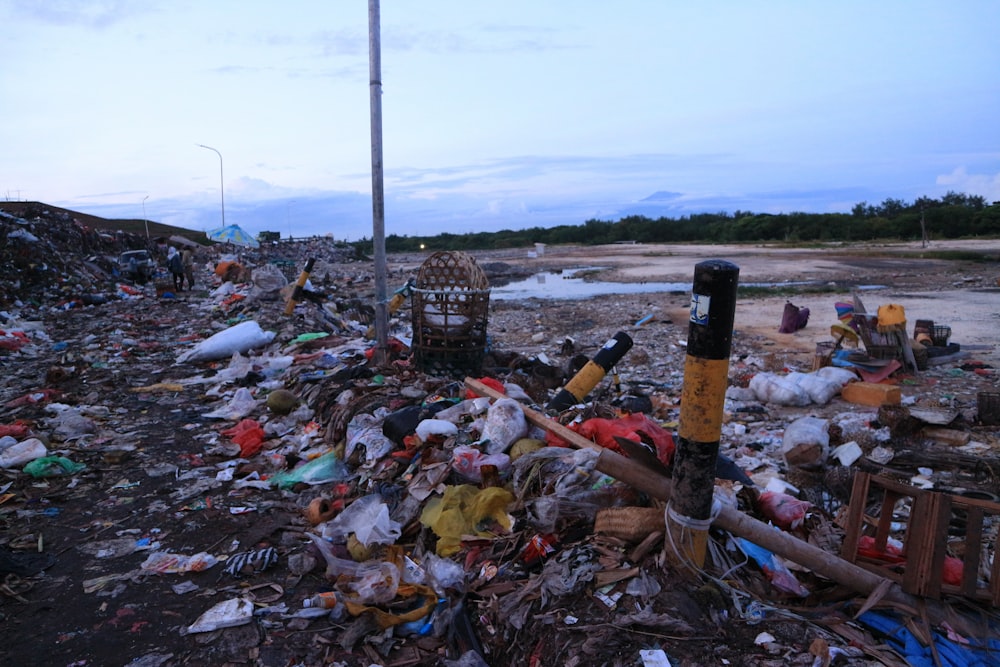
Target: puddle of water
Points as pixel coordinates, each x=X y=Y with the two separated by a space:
x=549 y=285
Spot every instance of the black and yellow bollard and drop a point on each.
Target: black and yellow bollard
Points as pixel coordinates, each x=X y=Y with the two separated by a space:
x=593 y=371
x=706 y=374
x=299 y=285
x=395 y=303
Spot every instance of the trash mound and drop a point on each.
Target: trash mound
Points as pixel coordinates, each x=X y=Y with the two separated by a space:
x=208 y=480
x=53 y=257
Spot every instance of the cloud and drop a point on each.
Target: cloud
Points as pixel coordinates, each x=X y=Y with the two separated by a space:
x=663 y=195
x=984 y=185
x=90 y=13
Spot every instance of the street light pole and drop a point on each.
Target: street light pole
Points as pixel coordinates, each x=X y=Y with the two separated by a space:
x=222 y=194
x=144 y=219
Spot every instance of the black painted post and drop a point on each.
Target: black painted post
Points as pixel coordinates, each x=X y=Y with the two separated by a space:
x=593 y=371
x=706 y=375
x=299 y=285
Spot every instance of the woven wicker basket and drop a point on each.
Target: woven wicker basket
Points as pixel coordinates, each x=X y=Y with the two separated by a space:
x=632 y=524
x=451 y=302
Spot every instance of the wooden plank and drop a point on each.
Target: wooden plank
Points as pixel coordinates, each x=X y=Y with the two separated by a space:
x=926 y=529
x=855 y=516
x=995 y=576
x=736 y=522
x=884 y=527
x=973 y=549
x=537 y=418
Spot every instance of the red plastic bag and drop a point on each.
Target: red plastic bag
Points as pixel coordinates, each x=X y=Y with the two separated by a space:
x=396 y=347
x=637 y=426
x=492 y=383
x=784 y=511
x=40 y=396
x=951 y=569
x=249 y=435
x=13 y=430
x=13 y=340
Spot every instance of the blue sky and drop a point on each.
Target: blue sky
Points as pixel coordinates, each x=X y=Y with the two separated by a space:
x=495 y=115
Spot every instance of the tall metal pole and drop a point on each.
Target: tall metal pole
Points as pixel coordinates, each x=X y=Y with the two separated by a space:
x=144 y=217
x=378 y=194
x=222 y=188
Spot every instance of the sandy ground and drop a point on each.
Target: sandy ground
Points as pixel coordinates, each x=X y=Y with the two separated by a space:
x=962 y=294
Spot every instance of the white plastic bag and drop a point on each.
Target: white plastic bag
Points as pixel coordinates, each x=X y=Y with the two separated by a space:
x=242 y=337
x=505 y=425
x=428 y=427
x=806 y=442
x=839 y=375
x=469 y=461
x=771 y=388
x=23 y=452
x=821 y=391
x=162 y=562
x=368 y=518
x=365 y=430
x=226 y=614
x=240 y=405
x=269 y=279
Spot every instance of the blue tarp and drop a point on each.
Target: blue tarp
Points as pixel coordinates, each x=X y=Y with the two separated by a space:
x=978 y=653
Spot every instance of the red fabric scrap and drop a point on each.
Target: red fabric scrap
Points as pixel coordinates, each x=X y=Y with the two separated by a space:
x=249 y=435
x=637 y=426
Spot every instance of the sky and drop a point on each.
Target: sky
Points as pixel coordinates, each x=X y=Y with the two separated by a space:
x=495 y=115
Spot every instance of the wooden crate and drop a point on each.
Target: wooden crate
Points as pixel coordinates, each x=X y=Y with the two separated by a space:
x=932 y=514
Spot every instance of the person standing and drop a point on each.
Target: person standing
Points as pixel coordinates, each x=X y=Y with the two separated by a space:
x=187 y=261
x=176 y=267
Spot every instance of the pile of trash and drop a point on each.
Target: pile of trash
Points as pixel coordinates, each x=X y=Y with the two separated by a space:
x=202 y=478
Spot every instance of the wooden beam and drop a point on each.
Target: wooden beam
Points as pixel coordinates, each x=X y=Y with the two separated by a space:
x=730 y=519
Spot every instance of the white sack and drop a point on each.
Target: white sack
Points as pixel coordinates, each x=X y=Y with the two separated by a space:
x=839 y=375
x=242 y=337
x=771 y=388
x=821 y=391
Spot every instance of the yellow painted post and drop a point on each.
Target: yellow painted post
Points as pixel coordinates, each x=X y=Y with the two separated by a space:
x=706 y=375
x=593 y=371
x=297 y=293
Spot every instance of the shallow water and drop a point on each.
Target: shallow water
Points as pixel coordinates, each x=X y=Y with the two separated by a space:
x=549 y=285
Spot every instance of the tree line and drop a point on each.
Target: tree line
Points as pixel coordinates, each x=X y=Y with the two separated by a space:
x=954 y=215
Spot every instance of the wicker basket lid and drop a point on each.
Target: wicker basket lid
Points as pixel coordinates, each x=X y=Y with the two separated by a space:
x=451 y=270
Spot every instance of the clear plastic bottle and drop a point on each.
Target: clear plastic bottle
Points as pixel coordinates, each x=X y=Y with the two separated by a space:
x=326 y=600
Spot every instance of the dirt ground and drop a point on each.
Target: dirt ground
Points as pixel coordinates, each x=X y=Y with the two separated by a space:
x=153 y=457
x=962 y=294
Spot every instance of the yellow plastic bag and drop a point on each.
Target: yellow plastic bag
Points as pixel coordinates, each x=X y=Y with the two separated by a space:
x=466 y=510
